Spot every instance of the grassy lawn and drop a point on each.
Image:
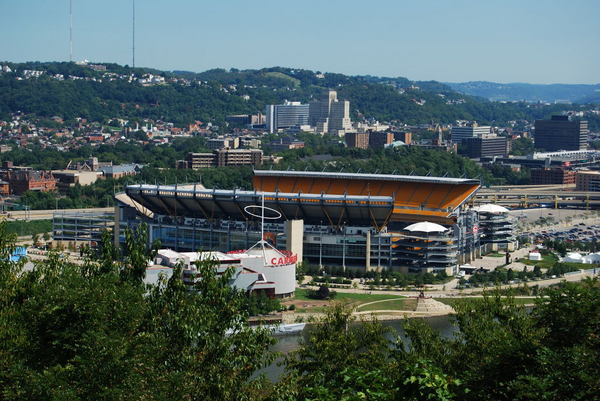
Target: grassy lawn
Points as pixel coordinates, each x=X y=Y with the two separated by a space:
x=453 y=301
x=23 y=228
x=406 y=304
x=392 y=302
x=495 y=255
x=302 y=294
x=281 y=75
x=547 y=261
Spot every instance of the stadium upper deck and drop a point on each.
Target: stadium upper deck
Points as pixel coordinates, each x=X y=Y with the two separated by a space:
x=416 y=198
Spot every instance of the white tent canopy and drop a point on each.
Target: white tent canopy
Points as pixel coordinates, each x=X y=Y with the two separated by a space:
x=426 y=227
x=491 y=208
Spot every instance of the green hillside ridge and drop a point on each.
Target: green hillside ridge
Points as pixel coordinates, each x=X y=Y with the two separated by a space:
x=214 y=94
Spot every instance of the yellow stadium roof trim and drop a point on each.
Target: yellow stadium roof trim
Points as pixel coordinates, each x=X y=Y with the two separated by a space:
x=363 y=176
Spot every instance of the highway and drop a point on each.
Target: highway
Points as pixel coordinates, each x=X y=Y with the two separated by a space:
x=47 y=214
x=525 y=196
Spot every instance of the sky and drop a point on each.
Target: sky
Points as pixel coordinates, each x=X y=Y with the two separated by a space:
x=535 y=41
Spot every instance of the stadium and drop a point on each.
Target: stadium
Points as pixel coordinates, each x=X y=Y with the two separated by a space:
x=351 y=220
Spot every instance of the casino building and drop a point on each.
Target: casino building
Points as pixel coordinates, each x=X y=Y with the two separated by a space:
x=359 y=221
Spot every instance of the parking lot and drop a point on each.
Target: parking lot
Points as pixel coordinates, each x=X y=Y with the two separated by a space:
x=580 y=232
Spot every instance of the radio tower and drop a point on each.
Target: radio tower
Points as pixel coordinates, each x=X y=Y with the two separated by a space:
x=71 y=30
x=133 y=38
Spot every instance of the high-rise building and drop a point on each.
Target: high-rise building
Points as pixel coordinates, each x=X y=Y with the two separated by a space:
x=548 y=176
x=472 y=131
x=379 y=140
x=588 y=180
x=485 y=146
x=560 y=133
x=357 y=140
x=405 y=137
x=330 y=114
x=286 y=115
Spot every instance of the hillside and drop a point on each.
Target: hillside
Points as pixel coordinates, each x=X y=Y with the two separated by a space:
x=529 y=92
x=105 y=91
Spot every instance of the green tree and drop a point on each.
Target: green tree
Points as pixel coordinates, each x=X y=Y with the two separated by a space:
x=85 y=332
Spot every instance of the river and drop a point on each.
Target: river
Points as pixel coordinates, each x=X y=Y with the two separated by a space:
x=286 y=344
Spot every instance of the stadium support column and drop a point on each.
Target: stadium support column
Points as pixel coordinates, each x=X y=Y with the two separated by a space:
x=294 y=233
x=368 y=252
x=117 y=229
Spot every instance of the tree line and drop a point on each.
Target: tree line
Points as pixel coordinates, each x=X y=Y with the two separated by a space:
x=95 y=331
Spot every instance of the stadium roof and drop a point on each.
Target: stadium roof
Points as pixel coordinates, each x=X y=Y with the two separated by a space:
x=230 y=204
x=416 y=198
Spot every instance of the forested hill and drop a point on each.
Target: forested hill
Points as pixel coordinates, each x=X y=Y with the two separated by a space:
x=70 y=90
x=579 y=93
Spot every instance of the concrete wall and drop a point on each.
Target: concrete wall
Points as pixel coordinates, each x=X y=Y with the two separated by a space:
x=294 y=233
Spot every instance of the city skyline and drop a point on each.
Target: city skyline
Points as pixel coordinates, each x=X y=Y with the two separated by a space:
x=532 y=42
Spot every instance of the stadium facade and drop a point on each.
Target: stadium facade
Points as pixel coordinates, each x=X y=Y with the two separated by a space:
x=330 y=219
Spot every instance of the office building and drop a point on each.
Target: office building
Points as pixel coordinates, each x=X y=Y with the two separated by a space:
x=485 y=146
x=246 y=119
x=70 y=178
x=553 y=175
x=286 y=115
x=330 y=115
x=560 y=133
x=405 y=137
x=379 y=140
x=223 y=143
x=359 y=221
x=473 y=131
x=357 y=140
x=222 y=157
x=588 y=180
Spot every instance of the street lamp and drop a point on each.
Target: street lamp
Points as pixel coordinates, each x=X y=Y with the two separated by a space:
x=321 y=246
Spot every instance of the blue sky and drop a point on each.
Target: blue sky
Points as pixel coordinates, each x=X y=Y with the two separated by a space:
x=537 y=41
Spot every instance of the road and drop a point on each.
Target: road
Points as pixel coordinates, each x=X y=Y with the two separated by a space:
x=47 y=214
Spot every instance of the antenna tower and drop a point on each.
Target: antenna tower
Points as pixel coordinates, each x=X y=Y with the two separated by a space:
x=71 y=30
x=133 y=37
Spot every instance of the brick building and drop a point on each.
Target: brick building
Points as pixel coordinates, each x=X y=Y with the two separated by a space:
x=405 y=137
x=548 y=176
x=29 y=180
x=588 y=180
x=357 y=140
x=378 y=140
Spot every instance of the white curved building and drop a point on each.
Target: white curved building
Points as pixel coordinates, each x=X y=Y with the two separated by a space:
x=267 y=270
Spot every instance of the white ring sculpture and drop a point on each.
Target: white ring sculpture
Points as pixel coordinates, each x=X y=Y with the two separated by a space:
x=264 y=208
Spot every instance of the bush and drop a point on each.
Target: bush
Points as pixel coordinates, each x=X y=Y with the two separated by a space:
x=323 y=293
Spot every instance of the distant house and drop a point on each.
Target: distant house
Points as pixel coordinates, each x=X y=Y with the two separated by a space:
x=4 y=188
x=95 y=138
x=120 y=170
